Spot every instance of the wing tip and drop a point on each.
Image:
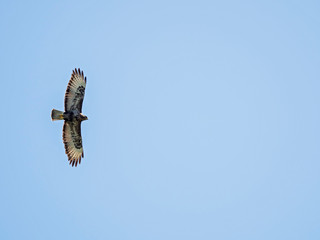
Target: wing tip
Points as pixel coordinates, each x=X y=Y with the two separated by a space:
x=78 y=72
x=74 y=161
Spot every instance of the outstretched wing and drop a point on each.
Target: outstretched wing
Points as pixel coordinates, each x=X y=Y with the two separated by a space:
x=75 y=91
x=72 y=141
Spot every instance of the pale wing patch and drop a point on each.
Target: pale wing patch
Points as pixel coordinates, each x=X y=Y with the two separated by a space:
x=73 y=142
x=75 y=91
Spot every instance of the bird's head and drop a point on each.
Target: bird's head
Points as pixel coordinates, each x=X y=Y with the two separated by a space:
x=83 y=117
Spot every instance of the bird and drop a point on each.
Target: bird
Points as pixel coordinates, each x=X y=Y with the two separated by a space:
x=73 y=117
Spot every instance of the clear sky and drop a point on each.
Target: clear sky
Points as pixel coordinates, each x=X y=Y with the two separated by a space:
x=204 y=120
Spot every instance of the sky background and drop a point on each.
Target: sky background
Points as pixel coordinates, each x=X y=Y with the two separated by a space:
x=204 y=120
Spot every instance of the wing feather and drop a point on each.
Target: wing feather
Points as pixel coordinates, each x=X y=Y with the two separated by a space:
x=73 y=141
x=75 y=91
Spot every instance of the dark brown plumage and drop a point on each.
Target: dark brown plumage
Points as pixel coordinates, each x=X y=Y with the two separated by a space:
x=73 y=117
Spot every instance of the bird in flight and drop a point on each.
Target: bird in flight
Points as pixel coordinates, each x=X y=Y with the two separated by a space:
x=73 y=117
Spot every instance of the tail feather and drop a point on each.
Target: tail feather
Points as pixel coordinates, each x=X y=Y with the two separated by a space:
x=56 y=115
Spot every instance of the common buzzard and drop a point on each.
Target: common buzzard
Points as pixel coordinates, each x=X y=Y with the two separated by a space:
x=73 y=117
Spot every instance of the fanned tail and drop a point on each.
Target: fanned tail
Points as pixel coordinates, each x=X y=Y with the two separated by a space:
x=56 y=115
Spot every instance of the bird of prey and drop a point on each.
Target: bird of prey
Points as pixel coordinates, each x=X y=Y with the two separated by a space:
x=73 y=117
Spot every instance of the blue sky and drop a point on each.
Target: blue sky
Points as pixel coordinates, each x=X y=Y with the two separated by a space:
x=203 y=120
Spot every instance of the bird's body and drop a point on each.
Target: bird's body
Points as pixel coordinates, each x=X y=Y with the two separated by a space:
x=73 y=117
